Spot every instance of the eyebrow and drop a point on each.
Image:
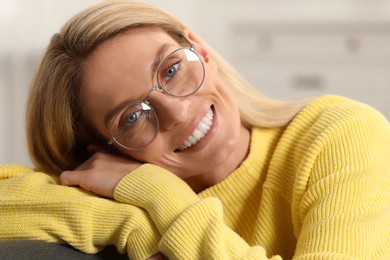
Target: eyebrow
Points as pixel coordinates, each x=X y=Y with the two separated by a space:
x=153 y=69
x=159 y=57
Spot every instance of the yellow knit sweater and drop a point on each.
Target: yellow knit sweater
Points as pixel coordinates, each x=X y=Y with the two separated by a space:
x=316 y=189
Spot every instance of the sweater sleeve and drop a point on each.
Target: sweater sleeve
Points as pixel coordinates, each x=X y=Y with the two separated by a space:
x=34 y=206
x=191 y=228
x=342 y=202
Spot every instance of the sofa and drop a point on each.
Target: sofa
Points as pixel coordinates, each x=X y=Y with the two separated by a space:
x=39 y=250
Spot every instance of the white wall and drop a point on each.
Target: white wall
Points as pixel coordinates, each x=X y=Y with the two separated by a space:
x=25 y=29
x=285 y=48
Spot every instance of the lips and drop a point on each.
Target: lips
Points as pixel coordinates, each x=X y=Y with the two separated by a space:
x=201 y=130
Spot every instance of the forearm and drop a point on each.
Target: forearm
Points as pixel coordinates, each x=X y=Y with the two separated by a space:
x=191 y=228
x=34 y=206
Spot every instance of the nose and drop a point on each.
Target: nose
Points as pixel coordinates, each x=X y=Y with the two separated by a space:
x=171 y=111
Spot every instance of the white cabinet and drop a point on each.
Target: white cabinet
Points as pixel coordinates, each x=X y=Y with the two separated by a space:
x=296 y=60
x=303 y=48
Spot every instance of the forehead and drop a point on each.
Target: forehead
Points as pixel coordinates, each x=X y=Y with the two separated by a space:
x=134 y=46
x=123 y=57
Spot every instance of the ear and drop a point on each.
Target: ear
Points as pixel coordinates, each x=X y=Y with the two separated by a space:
x=201 y=50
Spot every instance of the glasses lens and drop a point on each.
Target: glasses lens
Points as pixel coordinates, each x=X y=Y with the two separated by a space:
x=135 y=126
x=181 y=73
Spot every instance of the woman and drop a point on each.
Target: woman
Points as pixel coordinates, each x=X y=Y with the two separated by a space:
x=129 y=104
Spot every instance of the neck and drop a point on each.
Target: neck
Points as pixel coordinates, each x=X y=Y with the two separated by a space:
x=214 y=176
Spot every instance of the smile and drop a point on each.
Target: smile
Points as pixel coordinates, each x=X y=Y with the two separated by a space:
x=203 y=127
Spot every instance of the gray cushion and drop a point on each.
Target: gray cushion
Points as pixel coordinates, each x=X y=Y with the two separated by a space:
x=31 y=250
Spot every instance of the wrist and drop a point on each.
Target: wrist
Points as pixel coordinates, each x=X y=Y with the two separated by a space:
x=162 y=194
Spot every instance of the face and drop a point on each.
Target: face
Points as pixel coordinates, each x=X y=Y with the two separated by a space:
x=121 y=71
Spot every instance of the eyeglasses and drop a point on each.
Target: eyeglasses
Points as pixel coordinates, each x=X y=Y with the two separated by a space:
x=136 y=125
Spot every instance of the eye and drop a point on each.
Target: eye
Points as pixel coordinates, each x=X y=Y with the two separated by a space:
x=172 y=70
x=130 y=119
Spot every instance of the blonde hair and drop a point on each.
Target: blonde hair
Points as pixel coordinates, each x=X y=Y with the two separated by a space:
x=56 y=132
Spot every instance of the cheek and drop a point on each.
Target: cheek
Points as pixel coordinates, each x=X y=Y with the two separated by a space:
x=151 y=154
x=214 y=85
x=210 y=83
x=141 y=156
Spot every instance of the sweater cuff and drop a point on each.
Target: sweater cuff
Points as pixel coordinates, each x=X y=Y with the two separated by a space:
x=161 y=193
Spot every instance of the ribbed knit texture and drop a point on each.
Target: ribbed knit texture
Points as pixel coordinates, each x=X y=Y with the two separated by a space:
x=33 y=206
x=316 y=189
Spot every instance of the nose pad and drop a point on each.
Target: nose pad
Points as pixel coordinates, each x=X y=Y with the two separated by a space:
x=171 y=111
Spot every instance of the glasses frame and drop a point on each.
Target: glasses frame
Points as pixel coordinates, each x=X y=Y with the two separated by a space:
x=158 y=86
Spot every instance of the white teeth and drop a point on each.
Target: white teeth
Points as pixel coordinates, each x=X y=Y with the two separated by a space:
x=202 y=129
x=197 y=134
x=191 y=139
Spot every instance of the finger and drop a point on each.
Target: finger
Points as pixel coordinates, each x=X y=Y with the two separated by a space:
x=70 y=178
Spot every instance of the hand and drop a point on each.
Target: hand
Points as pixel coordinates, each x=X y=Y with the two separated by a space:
x=100 y=173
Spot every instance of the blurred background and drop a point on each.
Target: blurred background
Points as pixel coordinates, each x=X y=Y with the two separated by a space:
x=287 y=48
